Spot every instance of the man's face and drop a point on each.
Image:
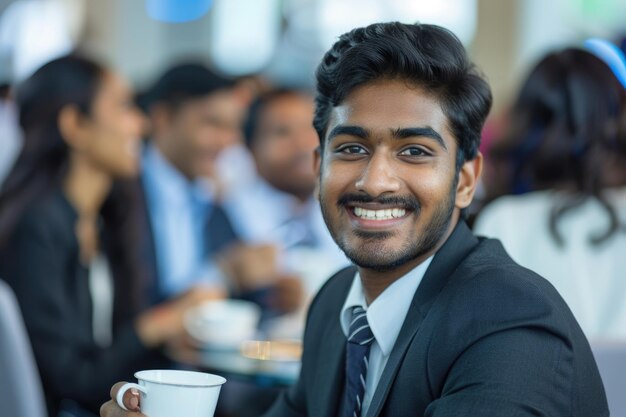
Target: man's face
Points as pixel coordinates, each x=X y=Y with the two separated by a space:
x=388 y=187
x=196 y=132
x=284 y=142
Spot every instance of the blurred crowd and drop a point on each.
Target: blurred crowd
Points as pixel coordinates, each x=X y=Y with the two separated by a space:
x=121 y=210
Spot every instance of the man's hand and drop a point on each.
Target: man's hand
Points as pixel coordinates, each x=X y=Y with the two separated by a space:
x=131 y=401
x=250 y=267
x=165 y=322
x=287 y=295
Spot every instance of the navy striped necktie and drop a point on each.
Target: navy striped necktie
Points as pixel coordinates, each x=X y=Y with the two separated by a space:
x=360 y=338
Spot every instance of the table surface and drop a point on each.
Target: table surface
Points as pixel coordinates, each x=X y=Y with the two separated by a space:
x=231 y=363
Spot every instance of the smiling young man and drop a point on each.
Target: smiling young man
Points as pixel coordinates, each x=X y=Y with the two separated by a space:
x=434 y=321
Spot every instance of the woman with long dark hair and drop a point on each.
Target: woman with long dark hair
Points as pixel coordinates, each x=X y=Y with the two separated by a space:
x=64 y=219
x=565 y=151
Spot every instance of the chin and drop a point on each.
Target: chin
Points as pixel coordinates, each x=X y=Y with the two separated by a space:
x=129 y=171
x=205 y=171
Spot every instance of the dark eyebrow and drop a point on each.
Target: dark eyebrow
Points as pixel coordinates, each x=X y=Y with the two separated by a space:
x=409 y=132
x=357 y=131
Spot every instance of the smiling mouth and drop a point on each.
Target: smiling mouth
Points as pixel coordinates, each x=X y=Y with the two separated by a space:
x=380 y=215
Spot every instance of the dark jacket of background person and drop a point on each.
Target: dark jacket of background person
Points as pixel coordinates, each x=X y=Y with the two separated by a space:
x=40 y=255
x=42 y=265
x=473 y=301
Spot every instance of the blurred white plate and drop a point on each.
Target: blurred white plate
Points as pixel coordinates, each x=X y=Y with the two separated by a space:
x=223 y=324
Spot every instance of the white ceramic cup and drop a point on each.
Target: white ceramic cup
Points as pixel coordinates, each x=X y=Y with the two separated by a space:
x=171 y=393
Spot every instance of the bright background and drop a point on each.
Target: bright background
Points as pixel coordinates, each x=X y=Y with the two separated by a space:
x=284 y=39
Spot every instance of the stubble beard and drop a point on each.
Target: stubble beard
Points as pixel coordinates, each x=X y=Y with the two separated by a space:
x=374 y=255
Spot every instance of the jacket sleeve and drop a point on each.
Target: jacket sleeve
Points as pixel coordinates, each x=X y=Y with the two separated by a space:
x=289 y=403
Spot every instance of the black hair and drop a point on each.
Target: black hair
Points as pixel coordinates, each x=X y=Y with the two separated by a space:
x=567 y=122
x=44 y=159
x=182 y=83
x=43 y=163
x=259 y=104
x=424 y=55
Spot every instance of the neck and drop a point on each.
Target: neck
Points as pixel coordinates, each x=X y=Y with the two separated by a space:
x=162 y=144
x=374 y=282
x=303 y=198
x=86 y=187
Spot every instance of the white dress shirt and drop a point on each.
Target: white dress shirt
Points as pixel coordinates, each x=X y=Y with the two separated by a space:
x=178 y=211
x=385 y=316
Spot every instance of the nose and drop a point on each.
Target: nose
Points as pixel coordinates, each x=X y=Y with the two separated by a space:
x=379 y=176
x=140 y=125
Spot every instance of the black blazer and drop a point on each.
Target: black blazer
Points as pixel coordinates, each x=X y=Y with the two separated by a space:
x=483 y=337
x=41 y=263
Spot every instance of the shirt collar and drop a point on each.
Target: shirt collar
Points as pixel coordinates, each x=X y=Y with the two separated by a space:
x=388 y=311
x=170 y=183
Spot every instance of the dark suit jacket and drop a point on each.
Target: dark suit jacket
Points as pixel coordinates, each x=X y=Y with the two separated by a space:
x=483 y=337
x=41 y=263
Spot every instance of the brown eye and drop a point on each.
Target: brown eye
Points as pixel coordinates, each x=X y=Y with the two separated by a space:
x=353 y=149
x=413 y=151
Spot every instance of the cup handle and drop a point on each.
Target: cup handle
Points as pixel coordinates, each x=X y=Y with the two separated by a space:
x=119 y=398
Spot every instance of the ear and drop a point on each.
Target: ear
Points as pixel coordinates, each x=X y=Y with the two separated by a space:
x=71 y=127
x=317 y=165
x=469 y=176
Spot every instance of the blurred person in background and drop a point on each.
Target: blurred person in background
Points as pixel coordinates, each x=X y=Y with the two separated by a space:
x=65 y=224
x=279 y=208
x=564 y=154
x=194 y=114
x=235 y=166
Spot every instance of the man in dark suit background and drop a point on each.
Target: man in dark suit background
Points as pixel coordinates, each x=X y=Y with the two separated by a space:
x=434 y=321
x=194 y=114
x=187 y=237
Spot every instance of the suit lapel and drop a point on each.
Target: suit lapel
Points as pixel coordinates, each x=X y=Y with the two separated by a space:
x=407 y=333
x=456 y=248
x=331 y=374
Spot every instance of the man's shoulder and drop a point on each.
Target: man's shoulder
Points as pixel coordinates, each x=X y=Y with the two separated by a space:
x=489 y=287
x=50 y=215
x=488 y=264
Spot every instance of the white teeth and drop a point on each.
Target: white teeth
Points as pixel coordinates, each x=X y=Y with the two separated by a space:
x=385 y=214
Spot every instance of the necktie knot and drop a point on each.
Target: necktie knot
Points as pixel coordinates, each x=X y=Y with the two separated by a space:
x=359 y=331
